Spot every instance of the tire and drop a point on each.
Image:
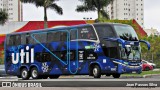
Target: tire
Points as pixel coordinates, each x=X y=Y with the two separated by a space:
x=34 y=73
x=54 y=76
x=147 y=69
x=96 y=71
x=116 y=75
x=25 y=74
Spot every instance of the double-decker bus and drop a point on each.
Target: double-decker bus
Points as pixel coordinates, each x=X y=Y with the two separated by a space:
x=89 y=49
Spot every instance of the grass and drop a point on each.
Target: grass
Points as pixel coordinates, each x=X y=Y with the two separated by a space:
x=143 y=73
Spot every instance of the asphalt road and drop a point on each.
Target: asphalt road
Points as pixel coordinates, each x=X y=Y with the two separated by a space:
x=81 y=79
x=85 y=83
x=84 y=78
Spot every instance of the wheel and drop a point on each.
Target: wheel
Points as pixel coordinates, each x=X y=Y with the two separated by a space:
x=147 y=69
x=34 y=73
x=25 y=74
x=96 y=71
x=116 y=75
x=54 y=76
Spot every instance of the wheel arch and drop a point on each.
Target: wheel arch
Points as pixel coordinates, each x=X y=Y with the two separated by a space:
x=24 y=66
x=91 y=67
x=32 y=66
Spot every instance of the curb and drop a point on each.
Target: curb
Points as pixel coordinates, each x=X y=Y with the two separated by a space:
x=150 y=75
x=131 y=76
x=144 y=76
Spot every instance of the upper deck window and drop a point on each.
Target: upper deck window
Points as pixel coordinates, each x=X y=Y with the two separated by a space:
x=53 y=36
x=104 y=31
x=126 y=32
x=14 y=40
x=87 y=33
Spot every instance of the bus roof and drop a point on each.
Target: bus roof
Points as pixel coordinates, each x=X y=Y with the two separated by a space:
x=48 y=29
x=60 y=28
x=110 y=24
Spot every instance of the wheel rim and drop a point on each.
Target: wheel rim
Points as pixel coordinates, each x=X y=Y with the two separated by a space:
x=24 y=74
x=34 y=73
x=95 y=71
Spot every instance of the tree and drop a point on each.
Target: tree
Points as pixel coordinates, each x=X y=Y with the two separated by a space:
x=94 y=5
x=3 y=17
x=154 y=53
x=46 y=4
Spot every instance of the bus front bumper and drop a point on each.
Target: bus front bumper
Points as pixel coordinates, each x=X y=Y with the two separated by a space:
x=130 y=69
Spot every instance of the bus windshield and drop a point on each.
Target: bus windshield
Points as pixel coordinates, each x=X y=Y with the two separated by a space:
x=126 y=32
x=131 y=53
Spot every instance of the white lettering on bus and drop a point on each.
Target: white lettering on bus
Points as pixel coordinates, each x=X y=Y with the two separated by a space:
x=22 y=54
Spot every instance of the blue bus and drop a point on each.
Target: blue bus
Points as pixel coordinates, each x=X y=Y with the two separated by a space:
x=89 y=49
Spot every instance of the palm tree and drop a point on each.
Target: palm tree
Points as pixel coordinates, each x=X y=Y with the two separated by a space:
x=94 y=5
x=3 y=16
x=46 y=4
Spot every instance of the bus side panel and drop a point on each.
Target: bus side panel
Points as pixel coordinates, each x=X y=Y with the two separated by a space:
x=12 y=69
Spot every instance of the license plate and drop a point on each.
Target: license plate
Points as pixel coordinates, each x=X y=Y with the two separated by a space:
x=134 y=72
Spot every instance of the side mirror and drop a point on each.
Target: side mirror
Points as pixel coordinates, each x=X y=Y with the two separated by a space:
x=119 y=40
x=147 y=43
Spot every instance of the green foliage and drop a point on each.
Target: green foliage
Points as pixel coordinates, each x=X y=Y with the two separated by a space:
x=3 y=17
x=46 y=4
x=94 y=5
x=1 y=57
x=154 y=53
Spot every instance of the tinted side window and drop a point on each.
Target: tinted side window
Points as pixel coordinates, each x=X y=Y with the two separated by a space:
x=18 y=40
x=41 y=37
x=14 y=40
x=63 y=36
x=23 y=39
x=53 y=36
x=86 y=33
x=111 y=52
x=29 y=39
x=73 y=34
x=43 y=57
x=104 y=31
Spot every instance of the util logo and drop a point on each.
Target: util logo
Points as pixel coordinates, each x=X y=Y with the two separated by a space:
x=23 y=55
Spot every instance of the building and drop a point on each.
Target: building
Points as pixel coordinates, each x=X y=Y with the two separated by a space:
x=13 y=8
x=152 y=31
x=127 y=10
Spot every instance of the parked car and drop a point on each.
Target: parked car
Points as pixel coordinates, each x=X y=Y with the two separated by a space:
x=2 y=71
x=152 y=64
x=146 y=66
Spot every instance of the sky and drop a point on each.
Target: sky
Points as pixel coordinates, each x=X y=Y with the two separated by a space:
x=32 y=13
